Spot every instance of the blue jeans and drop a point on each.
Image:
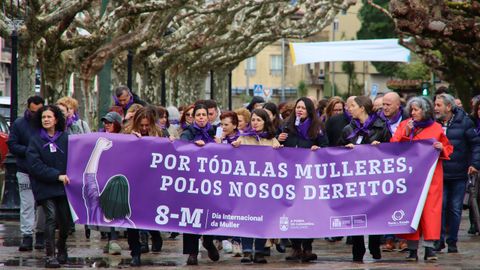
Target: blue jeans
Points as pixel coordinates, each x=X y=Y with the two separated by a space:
x=247 y=244
x=453 y=193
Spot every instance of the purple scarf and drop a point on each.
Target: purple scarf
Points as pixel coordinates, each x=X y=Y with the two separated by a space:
x=303 y=127
x=253 y=133
x=362 y=129
x=184 y=125
x=70 y=121
x=393 y=120
x=348 y=115
x=27 y=115
x=230 y=139
x=50 y=140
x=418 y=125
x=75 y=117
x=477 y=130
x=202 y=133
x=130 y=102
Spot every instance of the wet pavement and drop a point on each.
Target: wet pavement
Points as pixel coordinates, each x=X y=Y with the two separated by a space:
x=87 y=253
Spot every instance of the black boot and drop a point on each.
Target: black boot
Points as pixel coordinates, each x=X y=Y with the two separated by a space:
x=430 y=254
x=412 y=255
x=309 y=256
x=157 y=243
x=135 y=261
x=144 y=242
x=27 y=243
x=62 y=255
x=296 y=255
x=192 y=259
x=39 y=240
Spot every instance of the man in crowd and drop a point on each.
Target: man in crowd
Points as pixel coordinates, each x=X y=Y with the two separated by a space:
x=124 y=98
x=464 y=160
x=18 y=140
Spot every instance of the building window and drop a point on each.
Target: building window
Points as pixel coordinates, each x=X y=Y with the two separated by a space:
x=275 y=65
x=251 y=66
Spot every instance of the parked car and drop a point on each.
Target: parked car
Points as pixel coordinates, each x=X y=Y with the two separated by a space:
x=4 y=131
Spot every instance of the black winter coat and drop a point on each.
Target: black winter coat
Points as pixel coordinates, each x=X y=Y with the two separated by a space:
x=377 y=132
x=294 y=140
x=190 y=132
x=18 y=139
x=45 y=167
x=334 y=128
x=466 y=147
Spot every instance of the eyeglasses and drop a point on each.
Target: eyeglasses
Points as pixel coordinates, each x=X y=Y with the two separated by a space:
x=189 y=114
x=107 y=123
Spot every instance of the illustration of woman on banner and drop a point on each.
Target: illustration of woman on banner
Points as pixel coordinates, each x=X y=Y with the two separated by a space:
x=111 y=207
x=421 y=126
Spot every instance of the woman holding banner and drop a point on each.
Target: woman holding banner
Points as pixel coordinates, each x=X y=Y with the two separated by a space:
x=199 y=132
x=262 y=133
x=144 y=124
x=47 y=161
x=422 y=126
x=365 y=128
x=302 y=129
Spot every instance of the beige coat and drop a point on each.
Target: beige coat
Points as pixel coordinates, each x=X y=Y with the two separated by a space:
x=251 y=140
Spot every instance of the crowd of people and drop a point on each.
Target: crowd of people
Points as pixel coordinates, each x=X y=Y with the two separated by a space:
x=39 y=142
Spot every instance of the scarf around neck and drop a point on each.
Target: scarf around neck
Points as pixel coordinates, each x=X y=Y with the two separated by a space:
x=303 y=127
x=50 y=140
x=418 y=125
x=257 y=135
x=202 y=133
x=389 y=122
x=360 y=129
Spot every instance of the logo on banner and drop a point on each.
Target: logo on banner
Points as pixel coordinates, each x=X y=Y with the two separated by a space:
x=283 y=223
x=397 y=218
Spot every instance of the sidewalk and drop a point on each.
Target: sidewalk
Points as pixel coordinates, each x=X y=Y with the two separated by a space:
x=86 y=253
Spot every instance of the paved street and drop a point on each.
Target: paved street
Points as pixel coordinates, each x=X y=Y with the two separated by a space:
x=88 y=253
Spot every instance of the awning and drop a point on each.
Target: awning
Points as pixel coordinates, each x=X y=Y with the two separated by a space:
x=382 y=50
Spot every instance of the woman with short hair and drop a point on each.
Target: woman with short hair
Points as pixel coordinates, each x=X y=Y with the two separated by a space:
x=200 y=132
x=47 y=159
x=243 y=119
x=421 y=126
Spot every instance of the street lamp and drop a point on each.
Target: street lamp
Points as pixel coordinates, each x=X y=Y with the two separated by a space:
x=10 y=207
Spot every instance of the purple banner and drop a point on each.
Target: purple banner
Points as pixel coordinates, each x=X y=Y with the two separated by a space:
x=252 y=191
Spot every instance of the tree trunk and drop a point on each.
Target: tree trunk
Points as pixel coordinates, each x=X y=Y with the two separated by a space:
x=221 y=88
x=26 y=74
x=190 y=87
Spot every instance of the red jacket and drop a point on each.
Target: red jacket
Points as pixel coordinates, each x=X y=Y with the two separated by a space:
x=431 y=220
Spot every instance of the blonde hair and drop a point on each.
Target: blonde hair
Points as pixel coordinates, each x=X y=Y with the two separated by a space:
x=245 y=113
x=68 y=102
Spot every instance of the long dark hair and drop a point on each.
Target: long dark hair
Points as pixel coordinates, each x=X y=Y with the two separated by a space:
x=272 y=107
x=475 y=110
x=115 y=198
x=37 y=117
x=315 y=126
x=268 y=125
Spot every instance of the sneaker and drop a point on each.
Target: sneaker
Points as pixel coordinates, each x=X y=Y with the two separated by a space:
x=237 y=249
x=114 y=248
x=430 y=254
x=27 y=243
x=227 y=246
x=247 y=257
x=389 y=246
x=52 y=262
x=412 y=255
